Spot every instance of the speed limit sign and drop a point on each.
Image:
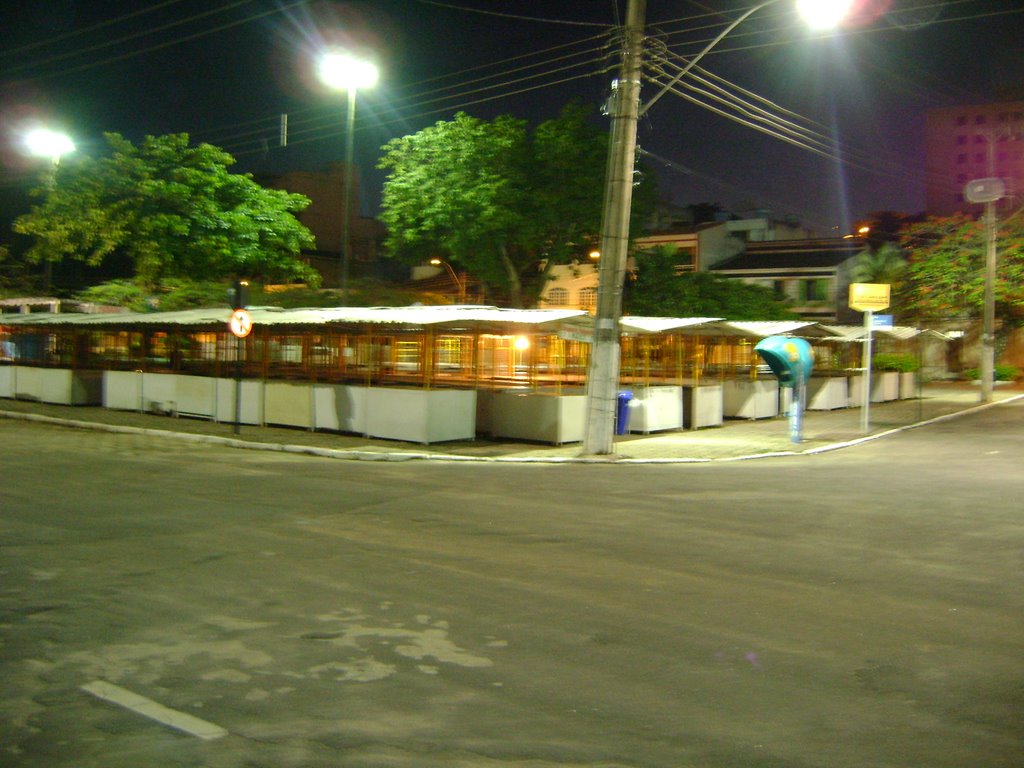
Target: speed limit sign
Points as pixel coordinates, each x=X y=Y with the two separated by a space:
x=240 y=323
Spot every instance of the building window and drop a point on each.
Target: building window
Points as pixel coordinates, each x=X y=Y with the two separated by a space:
x=979 y=139
x=961 y=158
x=979 y=157
x=814 y=290
x=979 y=120
x=558 y=297
x=961 y=120
x=961 y=139
x=588 y=298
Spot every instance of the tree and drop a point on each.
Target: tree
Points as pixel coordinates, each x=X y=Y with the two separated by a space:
x=886 y=264
x=945 y=277
x=173 y=209
x=498 y=200
x=658 y=290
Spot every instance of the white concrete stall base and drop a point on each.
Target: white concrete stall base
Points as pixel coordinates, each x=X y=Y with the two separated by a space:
x=908 y=385
x=855 y=390
x=252 y=401
x=703 y=406
x=827 y=393
x=421 y=415
x=60 y=386
x=546 y=417
x=885 y=386
x=288 y=403
x=656 y=408
x=750 y=399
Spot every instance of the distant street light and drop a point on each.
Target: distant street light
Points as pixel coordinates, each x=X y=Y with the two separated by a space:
x=43 y=142
x=460 y=284
x=603 y=371
x=344 y=72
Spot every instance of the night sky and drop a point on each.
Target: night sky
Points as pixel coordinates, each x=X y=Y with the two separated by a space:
x=225 y=71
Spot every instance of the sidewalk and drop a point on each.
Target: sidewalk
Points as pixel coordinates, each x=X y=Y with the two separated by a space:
x=822 y=430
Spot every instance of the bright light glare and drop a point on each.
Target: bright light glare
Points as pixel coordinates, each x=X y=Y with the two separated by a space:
x=521 y=343
x=345 y=72
x=43 y=142
x=823 y=14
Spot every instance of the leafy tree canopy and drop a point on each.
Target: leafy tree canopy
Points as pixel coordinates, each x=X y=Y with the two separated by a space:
x=659 y=291
x=946 y=274
x=175 y=210
x=498 y=199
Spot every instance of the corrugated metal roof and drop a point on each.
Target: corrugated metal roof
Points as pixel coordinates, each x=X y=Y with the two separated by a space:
x=640 y=324
x=412 y=316
x=760 y=329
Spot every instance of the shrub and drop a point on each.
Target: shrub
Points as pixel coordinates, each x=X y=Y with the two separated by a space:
x=891 y=362
x=1003 y=372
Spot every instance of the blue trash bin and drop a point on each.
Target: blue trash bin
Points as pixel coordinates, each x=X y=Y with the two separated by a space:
x=622 y=413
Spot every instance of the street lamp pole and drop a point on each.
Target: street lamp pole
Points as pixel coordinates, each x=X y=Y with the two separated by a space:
x=460 y=284
x=988 y=191
x=603 y=371
x=344 y=72
x=43 y=142
x=346 y=205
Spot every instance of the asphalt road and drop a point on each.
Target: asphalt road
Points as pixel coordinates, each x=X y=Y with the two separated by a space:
x=858 y=608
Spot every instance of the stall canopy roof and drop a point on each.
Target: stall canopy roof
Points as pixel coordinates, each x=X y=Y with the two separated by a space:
x=900 y=332
x=447 y=315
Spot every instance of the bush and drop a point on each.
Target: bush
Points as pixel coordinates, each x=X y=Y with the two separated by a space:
x=889 y=362
x=1004 y=372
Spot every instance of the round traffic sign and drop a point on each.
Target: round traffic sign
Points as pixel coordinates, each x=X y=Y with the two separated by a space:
x=240 y=323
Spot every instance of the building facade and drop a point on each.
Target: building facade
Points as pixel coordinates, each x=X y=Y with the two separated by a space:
x=965 y=143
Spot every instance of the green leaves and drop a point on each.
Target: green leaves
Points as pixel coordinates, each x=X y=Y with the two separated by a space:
x=945 y=277
x=174 y=209
x=495 y=198
x=659 y=291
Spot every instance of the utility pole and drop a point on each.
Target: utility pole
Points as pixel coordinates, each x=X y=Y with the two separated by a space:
x=603 y=373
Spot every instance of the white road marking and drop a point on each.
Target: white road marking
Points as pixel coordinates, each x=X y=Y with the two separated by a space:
x=148 y=708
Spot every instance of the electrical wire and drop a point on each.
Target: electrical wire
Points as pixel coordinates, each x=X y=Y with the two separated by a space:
x=85 y=30
x=510 y=15
x=158 y=46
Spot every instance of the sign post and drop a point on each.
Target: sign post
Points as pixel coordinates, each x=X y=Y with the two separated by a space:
x=241 y=326
x=866 y=298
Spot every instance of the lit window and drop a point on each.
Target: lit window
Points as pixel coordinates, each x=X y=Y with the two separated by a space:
x=558 y=297
x=588 y=298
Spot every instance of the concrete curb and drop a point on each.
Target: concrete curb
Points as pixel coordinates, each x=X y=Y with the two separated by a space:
x=363 y=455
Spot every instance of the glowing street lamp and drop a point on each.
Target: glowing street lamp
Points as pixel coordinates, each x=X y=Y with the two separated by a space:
x=460 y=284
x=603 y=370
x=42 y=142
x=344 y=72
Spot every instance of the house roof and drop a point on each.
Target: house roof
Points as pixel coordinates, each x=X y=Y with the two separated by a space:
x=792 y=254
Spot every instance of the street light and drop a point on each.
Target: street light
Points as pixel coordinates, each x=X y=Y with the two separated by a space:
x=342 y=71
x=603 y=371
x=460 y=284
x=43 y=142
x=988 y=191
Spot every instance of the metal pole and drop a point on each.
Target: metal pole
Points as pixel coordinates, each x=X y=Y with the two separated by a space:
x=603 y=373
x=988 y=357
x=865 y=414
x=346 y=218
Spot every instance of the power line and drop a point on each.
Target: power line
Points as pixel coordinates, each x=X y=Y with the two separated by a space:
x=85 y=30
x=511 y=15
